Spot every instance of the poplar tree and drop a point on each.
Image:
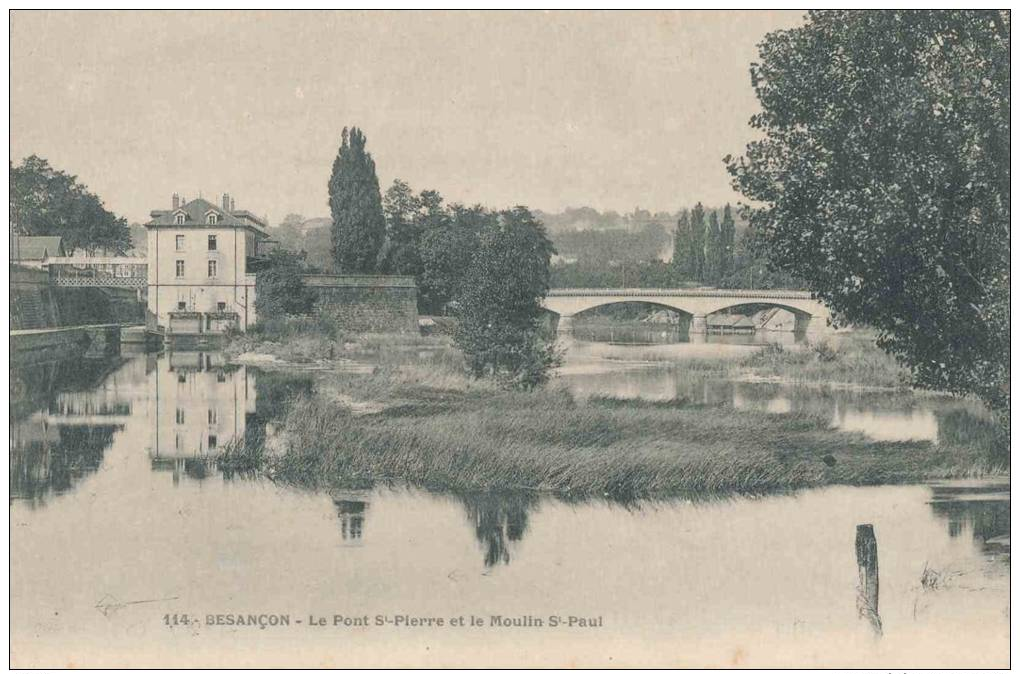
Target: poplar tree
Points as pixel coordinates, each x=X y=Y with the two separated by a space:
x=729 y=233
x=697 y=243
x=713 y=250
x=359 y=227
x=682 y=248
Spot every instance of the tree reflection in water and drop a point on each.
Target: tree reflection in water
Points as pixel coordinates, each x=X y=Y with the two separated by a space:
x=47 y=459
x=499 y=520
x=981 y=509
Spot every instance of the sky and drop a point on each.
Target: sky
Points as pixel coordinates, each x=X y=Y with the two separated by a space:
x=545 y=109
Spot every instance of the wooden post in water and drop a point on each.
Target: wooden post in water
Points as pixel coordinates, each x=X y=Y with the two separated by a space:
x=867 y=577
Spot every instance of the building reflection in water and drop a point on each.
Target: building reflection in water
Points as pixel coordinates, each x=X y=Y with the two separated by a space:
x=499 y=521
x=201 y=404
x=351 y=509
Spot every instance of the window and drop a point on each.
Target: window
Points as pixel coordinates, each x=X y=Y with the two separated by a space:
x=179 y=219
x=182 y=378
x=212 y=242
x=212 y=417
x=181 y=306
x=221 y=377
x=212 y=442
x=180 y=415
x=221 y=306
x=180 y=268
x=211 y=219
x=212 y=268
x=180 y=242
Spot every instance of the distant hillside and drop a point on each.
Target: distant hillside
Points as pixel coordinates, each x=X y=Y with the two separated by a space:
x=308 y=235
x=587 y=218
x=594 y=237
x=139 y=240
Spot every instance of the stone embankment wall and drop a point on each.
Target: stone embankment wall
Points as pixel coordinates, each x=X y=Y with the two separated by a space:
x=366 y=303
x=33 y=303
x=91 y=341
x=36 y=304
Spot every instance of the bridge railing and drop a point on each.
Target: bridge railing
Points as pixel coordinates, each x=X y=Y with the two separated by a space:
x=98 y=272
x=682 y=292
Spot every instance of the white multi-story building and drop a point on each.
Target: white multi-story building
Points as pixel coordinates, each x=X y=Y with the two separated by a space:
x=199 y=256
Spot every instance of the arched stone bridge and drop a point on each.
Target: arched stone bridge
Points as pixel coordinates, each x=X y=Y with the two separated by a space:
x=698 y=303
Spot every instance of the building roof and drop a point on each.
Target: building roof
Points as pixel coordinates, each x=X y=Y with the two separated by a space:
x=36 y=247
x=195 y=212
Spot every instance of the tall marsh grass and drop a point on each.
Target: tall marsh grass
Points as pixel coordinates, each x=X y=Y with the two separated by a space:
x=845 y=360
x=548 y=441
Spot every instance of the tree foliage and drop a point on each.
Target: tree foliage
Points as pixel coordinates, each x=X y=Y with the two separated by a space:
x=681 y=261
x=47 y=202
x=883 y=174
x=279 y=289
x=696 y=241
x=402 y=210
x=713 y=251
x=728 y=231
x=499 y=303
x=359 y=227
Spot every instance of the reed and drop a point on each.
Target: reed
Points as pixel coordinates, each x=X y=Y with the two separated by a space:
x=549 y=441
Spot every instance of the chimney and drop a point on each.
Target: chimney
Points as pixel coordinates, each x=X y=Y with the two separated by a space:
x=177 y=201
x=233 y=206
x=226 y=202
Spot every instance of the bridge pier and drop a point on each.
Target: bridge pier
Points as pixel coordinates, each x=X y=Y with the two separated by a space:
x=813 y=326
x=564 y=325
x=699 y=324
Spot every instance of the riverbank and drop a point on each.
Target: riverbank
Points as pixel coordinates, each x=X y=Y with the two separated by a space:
x=418 y=418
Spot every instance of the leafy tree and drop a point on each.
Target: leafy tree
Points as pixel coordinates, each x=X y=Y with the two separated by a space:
x=445 y=246
x=278 y=286
x=713 y=251
x=500 y=301
x=47 y=202
x=316 y=248
x=401 y=208
x=729 y=232
x=682 y=247
x=883 y=174
x=359 y=227
x=697 y=243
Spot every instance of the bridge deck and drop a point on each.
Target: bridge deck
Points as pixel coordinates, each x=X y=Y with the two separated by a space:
x=681 y=292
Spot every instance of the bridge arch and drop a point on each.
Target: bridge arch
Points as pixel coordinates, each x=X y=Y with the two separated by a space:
x=699 y=303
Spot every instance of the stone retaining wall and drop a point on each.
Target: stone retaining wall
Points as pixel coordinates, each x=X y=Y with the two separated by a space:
x=366 y=303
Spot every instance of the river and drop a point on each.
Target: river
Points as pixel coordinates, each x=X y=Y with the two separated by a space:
x=122 y=525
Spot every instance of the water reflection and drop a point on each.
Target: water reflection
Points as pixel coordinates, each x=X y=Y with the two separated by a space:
x=881 y=415
x=672 y=333
x=51 y=459
x=351 y=509
x=64 y=416
x=697 y=572
x=980 y=510
x=201 y=405
x=499 y=522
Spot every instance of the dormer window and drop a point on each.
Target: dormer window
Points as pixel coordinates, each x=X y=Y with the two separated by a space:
x=211 y=218
x=179 y=219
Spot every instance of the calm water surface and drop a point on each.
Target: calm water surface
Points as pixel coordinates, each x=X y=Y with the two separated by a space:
x=119 y=516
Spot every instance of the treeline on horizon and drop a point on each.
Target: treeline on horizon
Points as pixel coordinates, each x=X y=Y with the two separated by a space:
x=593 y=248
